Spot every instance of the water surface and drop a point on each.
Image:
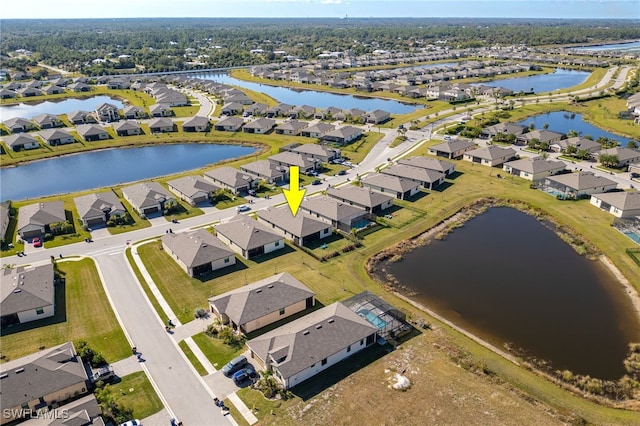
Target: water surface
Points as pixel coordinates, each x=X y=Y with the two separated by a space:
x=617 y=46
x=540 y=83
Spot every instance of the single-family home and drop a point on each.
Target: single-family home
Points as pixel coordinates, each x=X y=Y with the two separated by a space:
x=395 y=186
x=263 y=302
x=197 y=252
x=301 y=228
x=55 y=137
x=127 y=128
x=29 y=92
x=132 y=112
x=20 y=141
x=372 y=201
x=316 y=151
x=430 y=164
x=37 y=219
x=343 y=135
x=336 y=213
x=28 y=294
x=19 y=125
x=81 y=117
x=256 y=109
x=533 y=168
x=79 y=87
x=311 y=344
x=192 y=189
x=160 y=110
x=266 y=170
x=107 y=112
x=98 y=207
x=620 y=204
x=147 y=197
x=547 y=136
x=47 y=121
x=261 y=126
x=288 y=159
x=578 y=142
x=161 y=125
x=491 y=155
x=232 y=179
x=291 y=127
x=504 y=128
x=37 y=381
x=429 y=179
x=8 y=94
x=577 y=185
x=248 y=237
x=233 y=108
x=317 y=130
x=53 y=90
x=92 y=132
x=229 y=124
x=196 y=124
x=625 y=156
x=327 y=113
x=452 y=149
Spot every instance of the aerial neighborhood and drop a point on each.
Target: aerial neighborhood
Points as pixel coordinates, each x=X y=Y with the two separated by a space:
x=265 y=265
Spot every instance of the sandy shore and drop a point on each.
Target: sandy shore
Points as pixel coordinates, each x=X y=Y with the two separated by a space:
x=629 y=289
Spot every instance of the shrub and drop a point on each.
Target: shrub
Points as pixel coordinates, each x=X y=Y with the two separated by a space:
x=200 y=313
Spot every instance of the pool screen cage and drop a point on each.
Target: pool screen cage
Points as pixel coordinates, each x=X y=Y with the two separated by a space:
x=624 y=225
x=389 y=320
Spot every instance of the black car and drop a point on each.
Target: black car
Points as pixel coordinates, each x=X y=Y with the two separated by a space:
x=342 y=172
x=316 y=182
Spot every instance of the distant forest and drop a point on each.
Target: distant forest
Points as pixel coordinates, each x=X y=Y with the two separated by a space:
x=161 y=44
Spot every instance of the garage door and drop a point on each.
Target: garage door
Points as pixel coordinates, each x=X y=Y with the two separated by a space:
x=151 y=210
x=96 y=221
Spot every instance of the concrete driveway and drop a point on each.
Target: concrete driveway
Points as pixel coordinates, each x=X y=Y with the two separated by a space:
x=222 y=385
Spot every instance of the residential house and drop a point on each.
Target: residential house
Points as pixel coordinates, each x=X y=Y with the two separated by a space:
x=336 y=213
x=55 y=137
x=625 y=156
x=127 y=128
x=19 y=125
x=452 y=149
x=311 y=344
x=291 y=127
x=577 y=185
x=107 y=113
x=79 y=87
x=533 y=168
x=147 y=197
x=620 y=204
x=192 y=189
x=28 y=294
x=161 y=125
x=256 y=305
x=47 y=121
x=233 y=108
x=229 y=124
x=288 y=159
x=578 y=142
x=261 y=126
x=134 y=113
x=372 y=201
x=92 y=132
x=429 y=179
x=256 y=109
x=196 y=124
x=8 y=94
x=81 y=117
x=53 y=90
x=317 y=130
x=491 y=155
x=20 y=141
x=98 y=207
x=315 y=151
x=34 y=220
x=29 y=92
x=229 y=178
x=160 y=110
x=441 y=166
x=397 y=187
x=197 y=252
x=267 y=171
x=301 y=228
x=504 y=128
x=41 y=381
x=248 y=237
x=327 y=113
x=546 y=136
x=343 y=135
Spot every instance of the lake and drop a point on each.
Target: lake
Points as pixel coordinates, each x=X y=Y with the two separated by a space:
x=50 y=107
x=109 y=167
x=507 y=278
x=635 y=45
x=560 y=79
x=314 y=98
x=561 y=121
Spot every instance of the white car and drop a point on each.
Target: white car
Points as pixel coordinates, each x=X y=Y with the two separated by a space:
x=243 y=208
x=132 y=423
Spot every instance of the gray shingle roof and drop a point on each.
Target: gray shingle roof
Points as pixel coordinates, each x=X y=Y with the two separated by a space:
x=260 y=123
x=85 y=130
x=452 y=146
x=581 y=180
x=293 y=159
x=427 y=163
x=625 y=201
x=536 y=165
x=146 y=194
x=415 y=173
x=26 y=289
x=41 y=214
x=93 y=205
x=19 y=139
x=300 y=225
x=330 y=208
x=160 y=122
x=197 y=121
x=264 y=168
x=623 y=154
x=393 y=183
x=261 y=298
x=191 y=185
x=359 y=195
x=491 y=152
x=293 y=125
x=247 y=233
x=315 y=149
x=52 y=134
x=229 y=176
x=126 y=125
x=196 y=248
x=312 y=338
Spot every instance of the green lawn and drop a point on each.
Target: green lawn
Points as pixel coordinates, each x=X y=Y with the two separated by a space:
x=216 y=351
x=358 y=150
x=134 y=391
x=83 y=313
x=186 y=111
x=192 y=358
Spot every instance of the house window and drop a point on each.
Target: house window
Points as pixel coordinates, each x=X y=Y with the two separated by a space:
x=39 y=311
x=361 y=342
x=282 y=311
x=227 y=260
x=349 y=348
x=277 y=243
x=324 y=362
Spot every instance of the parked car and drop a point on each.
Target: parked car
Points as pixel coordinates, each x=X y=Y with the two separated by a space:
x=342 y=172
x=243 y=208
x=447 y=138
x=316 y=182
x=252 y=192
x=134 y=422
x=234 y=365
x=244 y=374
x=104 y=374
x=312 y=173
x=37 y=242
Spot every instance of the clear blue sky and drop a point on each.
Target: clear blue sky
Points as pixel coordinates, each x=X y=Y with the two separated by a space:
x=321 y=8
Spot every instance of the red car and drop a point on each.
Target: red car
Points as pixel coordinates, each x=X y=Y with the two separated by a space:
x=36 y=242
